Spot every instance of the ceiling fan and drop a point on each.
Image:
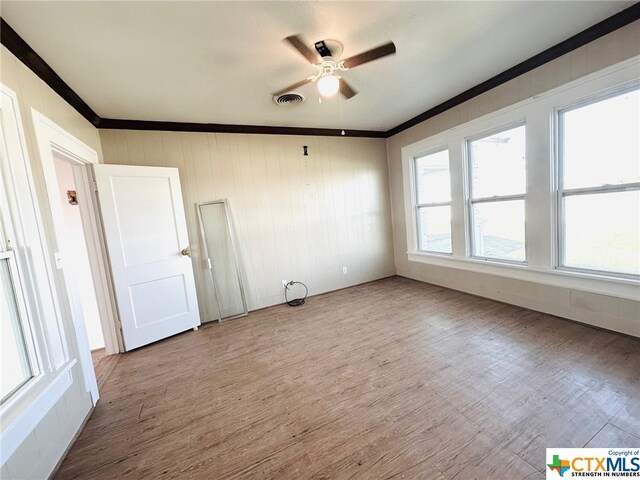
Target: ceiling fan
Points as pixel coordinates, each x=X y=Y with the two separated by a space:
x=327 y=67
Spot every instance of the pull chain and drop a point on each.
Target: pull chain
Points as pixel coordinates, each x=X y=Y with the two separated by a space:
x=340 y=106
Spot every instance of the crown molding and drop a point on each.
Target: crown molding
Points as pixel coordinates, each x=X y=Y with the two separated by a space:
x=592 y=33
x=21 y=49
x=119 y=124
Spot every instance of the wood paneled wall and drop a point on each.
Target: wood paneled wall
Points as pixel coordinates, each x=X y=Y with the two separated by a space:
x=296 y=217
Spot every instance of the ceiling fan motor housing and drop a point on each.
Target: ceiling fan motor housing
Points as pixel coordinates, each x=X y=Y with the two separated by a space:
x=329 y=48
x=327 y=67
x=322 y=49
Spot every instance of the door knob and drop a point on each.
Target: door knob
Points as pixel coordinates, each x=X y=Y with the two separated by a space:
x=186 y=251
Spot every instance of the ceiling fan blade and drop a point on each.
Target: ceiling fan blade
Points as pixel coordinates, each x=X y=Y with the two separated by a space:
x=292 y=87
x=370 y=55
x=299 y=44
x=346 y=89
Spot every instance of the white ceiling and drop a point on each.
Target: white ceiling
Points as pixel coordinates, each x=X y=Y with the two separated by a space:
x=218 y=62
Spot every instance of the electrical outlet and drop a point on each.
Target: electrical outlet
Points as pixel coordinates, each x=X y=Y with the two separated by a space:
x=284 y=284
x=344 y=270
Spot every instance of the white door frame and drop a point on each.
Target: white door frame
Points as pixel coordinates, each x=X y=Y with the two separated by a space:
x=53 y=139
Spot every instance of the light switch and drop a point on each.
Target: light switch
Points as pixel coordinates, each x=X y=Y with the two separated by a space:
x=58 y=258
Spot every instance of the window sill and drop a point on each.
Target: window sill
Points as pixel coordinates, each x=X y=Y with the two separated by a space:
x=599 y=284
x=30 y=404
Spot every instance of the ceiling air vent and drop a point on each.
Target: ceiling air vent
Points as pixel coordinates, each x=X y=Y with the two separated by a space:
x=288 y=99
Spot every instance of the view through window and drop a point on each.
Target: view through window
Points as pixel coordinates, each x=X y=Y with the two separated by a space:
x=497 y=176
x=599 y=184
x=433 y=192
x=16 y=369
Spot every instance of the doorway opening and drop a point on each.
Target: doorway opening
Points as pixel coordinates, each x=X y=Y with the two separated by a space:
x=75 y=254
x=67 y=165
x=74 y=231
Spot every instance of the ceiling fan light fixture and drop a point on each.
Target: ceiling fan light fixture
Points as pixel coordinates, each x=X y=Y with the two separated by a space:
x=326 y=67
x=328 y=85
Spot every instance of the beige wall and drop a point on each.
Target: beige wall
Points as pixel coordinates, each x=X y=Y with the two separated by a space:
x=43 y=448
x=570 y=303
x=296 y=217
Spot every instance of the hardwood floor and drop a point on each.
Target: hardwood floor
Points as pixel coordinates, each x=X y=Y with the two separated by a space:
x=391 y=379
x=103 y=364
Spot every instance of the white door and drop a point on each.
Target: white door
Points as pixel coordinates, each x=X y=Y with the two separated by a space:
x=146 y=233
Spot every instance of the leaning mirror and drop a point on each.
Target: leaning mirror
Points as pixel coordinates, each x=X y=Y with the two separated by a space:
x=227 y=297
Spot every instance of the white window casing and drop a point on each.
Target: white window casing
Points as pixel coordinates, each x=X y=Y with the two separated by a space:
x=539 y=113
x=24 y=244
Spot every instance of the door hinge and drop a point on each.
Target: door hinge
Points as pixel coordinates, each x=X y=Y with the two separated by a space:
x=95 y=186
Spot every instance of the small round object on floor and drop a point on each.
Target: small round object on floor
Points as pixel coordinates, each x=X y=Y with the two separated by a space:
x=295 y=293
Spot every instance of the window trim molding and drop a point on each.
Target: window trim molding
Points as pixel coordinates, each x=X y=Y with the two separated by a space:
x=53 y=331
x=39 y=398
x=28 y=405
x=542 y=267
x=598 y=284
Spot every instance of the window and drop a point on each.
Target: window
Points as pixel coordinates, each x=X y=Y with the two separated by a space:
x=433 y=202
x=545 y=191
x=35 y=365
x=599 y=184
x=496 y=195
x=16 y=366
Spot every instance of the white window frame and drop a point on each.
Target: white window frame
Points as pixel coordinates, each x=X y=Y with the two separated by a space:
x=494 y=198
x=22 y=229
x=541 y=203
x=561 y=193
x=418 y=206
x=26 y=321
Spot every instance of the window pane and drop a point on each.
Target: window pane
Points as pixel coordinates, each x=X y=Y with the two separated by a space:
x=15 y=369
x=432 y=178
x=435 y=229
x=498 y=164
x=498 y=230
x=602 y=231
x=602 y=142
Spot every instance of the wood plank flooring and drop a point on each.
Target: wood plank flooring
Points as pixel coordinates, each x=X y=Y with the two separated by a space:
x=103 y=365
x=391 y=379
